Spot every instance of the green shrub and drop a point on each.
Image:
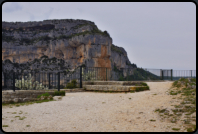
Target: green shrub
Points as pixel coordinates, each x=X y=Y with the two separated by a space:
x=74 y=82
x=141 y=88
x=189 y=130
x=137 y=89
x=71 y=84
x=183 y=79
x=144 y=84
x=173 y=93
x=59 y=93
x=193 y=80
x=176 y=84
x=176 y=129
x=45 y=94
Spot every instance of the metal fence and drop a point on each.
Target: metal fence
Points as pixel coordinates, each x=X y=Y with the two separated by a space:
x=96 y=73
x=39 y=80
x=134 y=74
x=58 y=80
x=177 y=74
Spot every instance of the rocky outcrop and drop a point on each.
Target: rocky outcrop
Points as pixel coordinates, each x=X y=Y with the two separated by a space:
x=58 y=45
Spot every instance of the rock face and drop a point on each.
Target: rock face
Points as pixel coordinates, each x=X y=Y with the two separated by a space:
x=58 y=45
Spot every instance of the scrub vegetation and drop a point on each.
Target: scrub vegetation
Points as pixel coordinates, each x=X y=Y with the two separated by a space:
x=184 y=90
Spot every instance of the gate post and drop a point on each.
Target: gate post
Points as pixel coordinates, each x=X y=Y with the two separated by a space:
x=171 y=74
x=58 y=81
x=161 y=74
x=5 y=86
x=80 y=76
x=49 y=80
x=39 y=77
x=106 y=74
x=14 y=81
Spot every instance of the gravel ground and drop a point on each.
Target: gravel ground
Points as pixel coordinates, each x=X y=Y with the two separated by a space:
x=98 y=112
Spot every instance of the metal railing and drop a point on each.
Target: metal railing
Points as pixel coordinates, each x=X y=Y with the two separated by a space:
x=96 y=73
x=39 y=80
x=57 y=80
x=134 y=74
x=177 y=74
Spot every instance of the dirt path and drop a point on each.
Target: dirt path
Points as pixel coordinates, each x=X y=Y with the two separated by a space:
x=90 y=111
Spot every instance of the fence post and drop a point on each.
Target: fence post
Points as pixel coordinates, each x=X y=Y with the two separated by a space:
x=14 y=81
x=58 y=81
x=161 y=74
x=106 y=74
x=80 y=76
x=5 y=86
x=39 y=77
x=49 y=80
x=191 y=73
x=171 y=74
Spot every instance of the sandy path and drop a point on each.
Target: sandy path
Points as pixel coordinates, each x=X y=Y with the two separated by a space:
x=90 y=111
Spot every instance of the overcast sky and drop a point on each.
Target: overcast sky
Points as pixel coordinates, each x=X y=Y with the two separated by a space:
x=155 y=34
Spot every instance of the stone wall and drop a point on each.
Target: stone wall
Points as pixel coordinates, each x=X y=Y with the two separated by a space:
x=30 y=95
x=22 y=95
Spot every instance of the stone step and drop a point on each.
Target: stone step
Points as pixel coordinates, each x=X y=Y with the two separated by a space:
x=111 y=82
x=110 y=88
x=70 y=90
x=73 y=90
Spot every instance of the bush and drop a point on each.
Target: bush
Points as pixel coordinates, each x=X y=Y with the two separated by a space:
x=141 y=88
x=147 y=88
x=74 y=82
x=45 y=94
x=144 y=84
x=71 y=84
x=175 y=83
x=193 y=80
x=59 y=93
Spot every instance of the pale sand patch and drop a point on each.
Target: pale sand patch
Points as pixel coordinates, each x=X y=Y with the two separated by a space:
x=90 y=111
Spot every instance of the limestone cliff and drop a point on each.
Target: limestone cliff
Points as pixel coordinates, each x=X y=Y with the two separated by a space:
x=57 y=45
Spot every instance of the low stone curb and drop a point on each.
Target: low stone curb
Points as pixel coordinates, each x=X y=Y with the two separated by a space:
x=30 y=95
x=69 y=90
x=111 y=88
